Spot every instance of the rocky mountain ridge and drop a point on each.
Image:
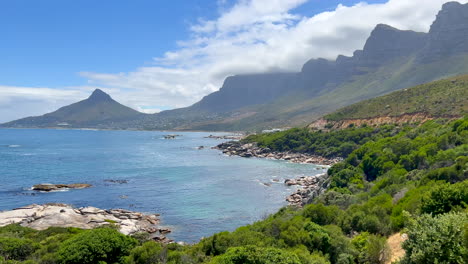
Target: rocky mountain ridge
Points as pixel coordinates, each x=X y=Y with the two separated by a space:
x=390 y=60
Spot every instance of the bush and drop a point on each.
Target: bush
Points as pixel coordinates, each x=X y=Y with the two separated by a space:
x=102 y=245
x=16 y=248
x=444 y=198
x=256 y=255
x=321 y=214
x=437 y=239
x=148 y=253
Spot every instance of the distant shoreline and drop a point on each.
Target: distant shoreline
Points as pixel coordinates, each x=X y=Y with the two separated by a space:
x=111 y=129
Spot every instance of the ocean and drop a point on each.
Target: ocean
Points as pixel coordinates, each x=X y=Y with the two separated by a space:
x=198 y=192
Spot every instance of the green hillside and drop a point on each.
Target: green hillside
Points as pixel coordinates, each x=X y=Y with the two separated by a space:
x=448 y=97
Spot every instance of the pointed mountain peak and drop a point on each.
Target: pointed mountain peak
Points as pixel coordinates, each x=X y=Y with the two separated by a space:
x=99 y=95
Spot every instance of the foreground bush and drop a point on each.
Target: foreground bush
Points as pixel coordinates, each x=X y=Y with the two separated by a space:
x=102 y=245
x=255 y=255
x=16 y=248
x=440 y=239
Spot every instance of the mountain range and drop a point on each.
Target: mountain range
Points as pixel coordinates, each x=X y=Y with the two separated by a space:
x=391 y=60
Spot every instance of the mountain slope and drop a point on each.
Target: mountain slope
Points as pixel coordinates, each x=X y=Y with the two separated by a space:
x=391 y=60
x=99 y=110
x=448 y=97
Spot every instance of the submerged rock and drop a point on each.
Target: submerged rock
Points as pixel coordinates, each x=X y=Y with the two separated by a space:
x=116 y=181
x=57 y=187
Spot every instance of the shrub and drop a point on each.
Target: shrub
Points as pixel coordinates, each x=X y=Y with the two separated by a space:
x=256 y=255
x=96 y=246
x=444 y=198
x=148 y=253
x=12 y=248
x=438 y=239
x=321 y=214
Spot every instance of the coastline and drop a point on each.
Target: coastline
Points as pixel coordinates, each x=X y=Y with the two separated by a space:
x=251 y=150
x=309 y=187
x=122 y=129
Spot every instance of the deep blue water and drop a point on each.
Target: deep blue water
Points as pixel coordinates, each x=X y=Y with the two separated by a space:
x=197 y=192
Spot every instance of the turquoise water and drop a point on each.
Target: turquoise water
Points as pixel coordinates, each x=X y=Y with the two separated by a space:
x=197 y=192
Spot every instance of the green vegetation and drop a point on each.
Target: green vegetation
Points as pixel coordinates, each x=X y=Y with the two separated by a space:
x=339 y=143
x=410 y=179
x=438 y=99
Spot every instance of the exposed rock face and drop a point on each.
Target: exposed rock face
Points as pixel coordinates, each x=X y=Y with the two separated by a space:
x=57 y=187
x=243 y=90
x=236 y=148
x=41 y=217
x=449 y=33
x=386 y=43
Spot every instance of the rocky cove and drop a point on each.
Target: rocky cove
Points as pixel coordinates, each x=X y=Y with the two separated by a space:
x=105 y=184
x=309 y=187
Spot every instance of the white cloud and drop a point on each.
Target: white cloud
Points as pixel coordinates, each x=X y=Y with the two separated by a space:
x=16 y=102
x=256 y=36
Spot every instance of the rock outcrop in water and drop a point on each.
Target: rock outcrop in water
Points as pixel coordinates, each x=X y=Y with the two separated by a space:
x=41 y=217
x=58 y=187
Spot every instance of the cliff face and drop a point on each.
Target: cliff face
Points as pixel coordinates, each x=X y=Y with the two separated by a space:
x=244 y=90
x=384 y=44
x=448 y=35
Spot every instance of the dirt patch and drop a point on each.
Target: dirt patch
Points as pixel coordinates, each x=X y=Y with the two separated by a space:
x=395 y=244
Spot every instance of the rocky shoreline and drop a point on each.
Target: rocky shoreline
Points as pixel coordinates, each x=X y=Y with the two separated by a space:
x=41 y=217
x=310 y=187
x=226 y=137
x=236 y=148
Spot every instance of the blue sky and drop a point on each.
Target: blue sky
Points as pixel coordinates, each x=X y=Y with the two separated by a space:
x=155 y=55
x=47 y=42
